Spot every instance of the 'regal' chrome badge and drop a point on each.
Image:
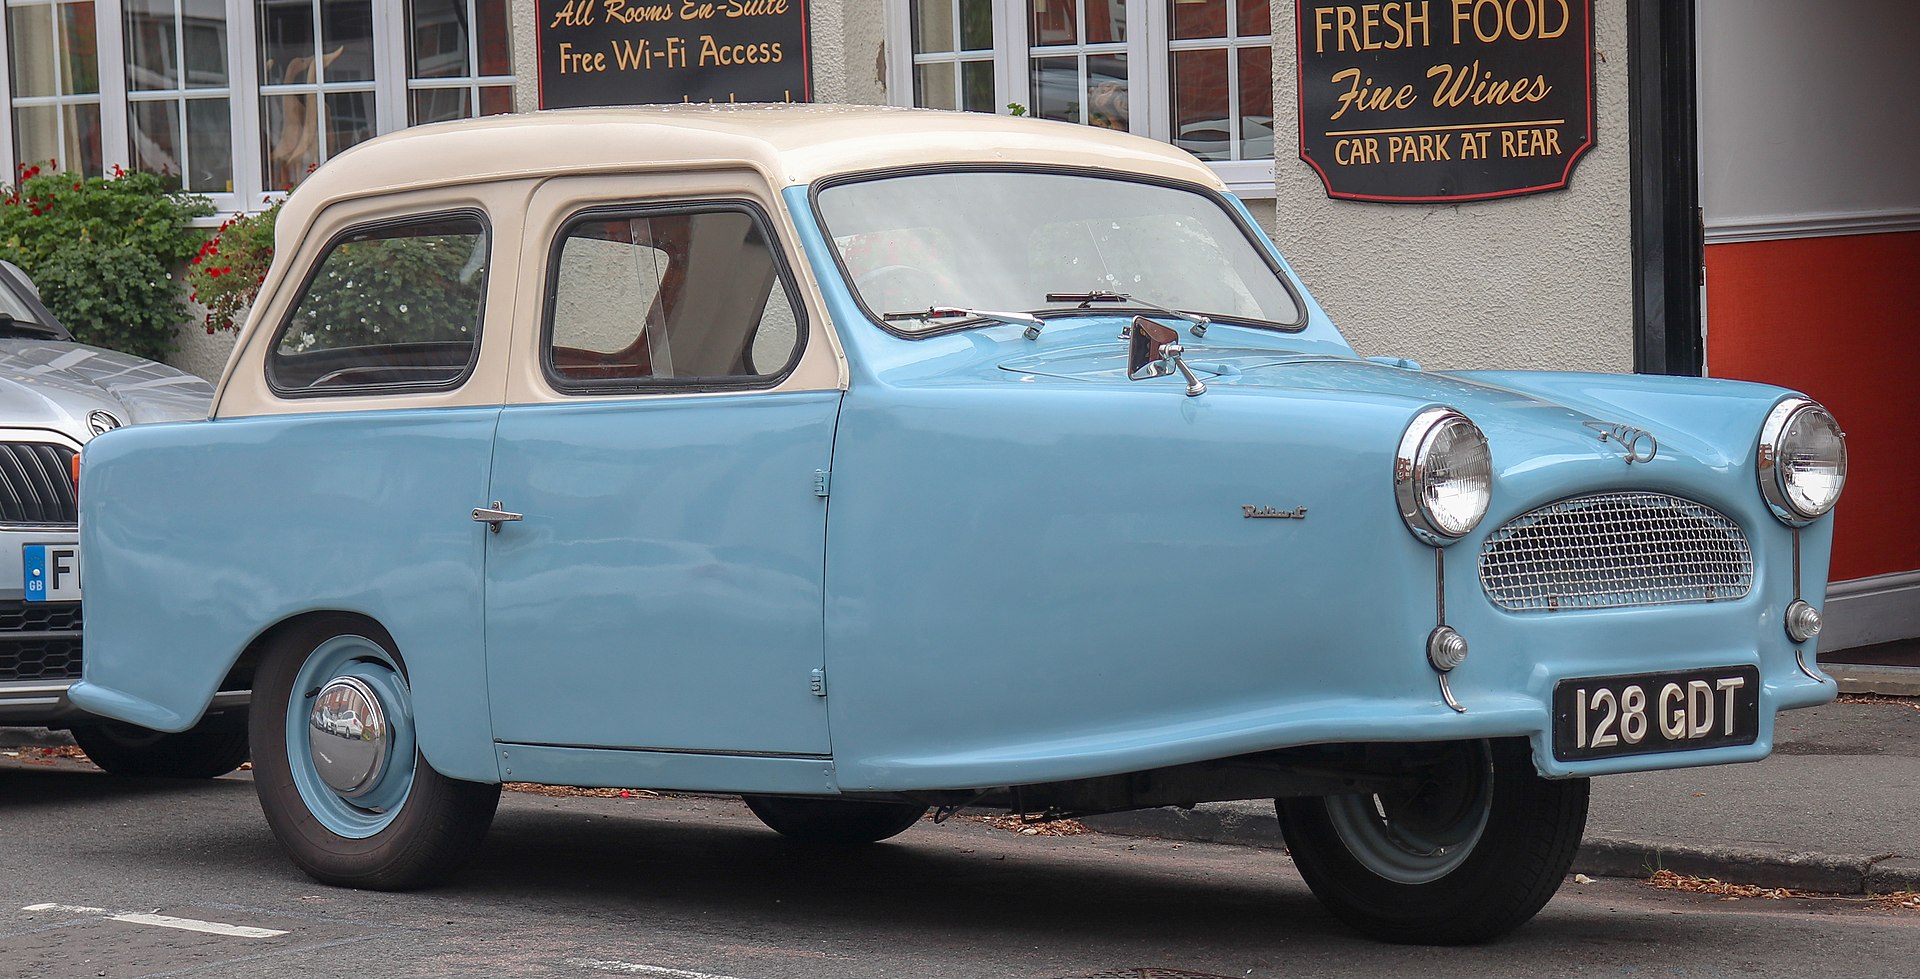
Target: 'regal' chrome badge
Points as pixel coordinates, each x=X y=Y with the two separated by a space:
x=1639 y=444
x=1270 y=513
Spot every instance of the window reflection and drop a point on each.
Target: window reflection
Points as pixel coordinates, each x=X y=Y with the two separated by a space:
x=1221 y=76
x=179 y=109
x=953 y=69
x=1078 y=62
x=316 y=69
x=458 y=59
x=54 y=53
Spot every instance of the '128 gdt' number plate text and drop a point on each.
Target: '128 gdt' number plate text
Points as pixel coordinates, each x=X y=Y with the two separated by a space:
x=1599 y=717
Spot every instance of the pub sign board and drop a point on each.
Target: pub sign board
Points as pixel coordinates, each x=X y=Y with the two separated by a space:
x=1444 y=100
x=642 y=52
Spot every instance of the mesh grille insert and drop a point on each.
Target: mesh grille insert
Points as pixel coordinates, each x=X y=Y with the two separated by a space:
x=1616 y=550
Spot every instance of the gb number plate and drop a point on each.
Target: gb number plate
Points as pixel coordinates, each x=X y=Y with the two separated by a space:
x=1600 y=717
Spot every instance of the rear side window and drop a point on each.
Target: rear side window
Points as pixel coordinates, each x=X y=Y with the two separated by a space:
x=684 y=296
x=390 y=308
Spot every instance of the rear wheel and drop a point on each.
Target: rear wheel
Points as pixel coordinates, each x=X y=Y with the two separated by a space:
x=214 y=748
x=342 y=783
x=834 y=822
x=1470 y=853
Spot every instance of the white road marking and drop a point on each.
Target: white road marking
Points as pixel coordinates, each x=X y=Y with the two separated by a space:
x=635 y=969
x=162 y=921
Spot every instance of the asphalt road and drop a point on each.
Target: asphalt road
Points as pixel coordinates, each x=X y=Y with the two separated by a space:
x=694 y=888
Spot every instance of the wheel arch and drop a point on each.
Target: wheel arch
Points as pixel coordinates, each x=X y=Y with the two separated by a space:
x=452 y=728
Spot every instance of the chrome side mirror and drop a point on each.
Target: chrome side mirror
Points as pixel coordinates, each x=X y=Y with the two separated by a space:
x=1154 y=350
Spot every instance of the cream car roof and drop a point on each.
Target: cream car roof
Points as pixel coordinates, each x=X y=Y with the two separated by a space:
x=787 y=144
x=790 y=144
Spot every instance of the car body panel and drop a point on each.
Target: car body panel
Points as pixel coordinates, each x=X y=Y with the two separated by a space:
x=1029 y=568
x=672 y=554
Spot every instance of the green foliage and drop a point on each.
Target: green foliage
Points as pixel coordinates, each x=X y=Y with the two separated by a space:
x=422 y=286
x=226 y=274
x=100 y=249
x=1016 y=109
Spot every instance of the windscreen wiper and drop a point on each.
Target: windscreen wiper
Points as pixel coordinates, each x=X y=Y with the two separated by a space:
x=1087 y=299
x=1030 y=321
x=11 y=327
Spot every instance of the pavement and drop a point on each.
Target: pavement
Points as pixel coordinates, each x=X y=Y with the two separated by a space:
x=1832 y=810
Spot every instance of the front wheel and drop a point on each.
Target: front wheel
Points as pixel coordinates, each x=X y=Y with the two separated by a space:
x=1468 y=852
x=218 y=745
x=344 y=788
x=834 y=822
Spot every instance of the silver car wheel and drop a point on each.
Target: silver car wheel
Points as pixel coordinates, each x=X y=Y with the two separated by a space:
x=1420 y=836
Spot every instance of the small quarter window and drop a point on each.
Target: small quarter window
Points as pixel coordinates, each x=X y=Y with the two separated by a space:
x=690 y=295
x=391 y=308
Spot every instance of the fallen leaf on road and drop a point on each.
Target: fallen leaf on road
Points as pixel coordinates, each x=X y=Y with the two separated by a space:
x=1670 y=881
x=568 y=791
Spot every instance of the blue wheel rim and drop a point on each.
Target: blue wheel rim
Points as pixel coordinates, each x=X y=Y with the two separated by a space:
x=376 y=809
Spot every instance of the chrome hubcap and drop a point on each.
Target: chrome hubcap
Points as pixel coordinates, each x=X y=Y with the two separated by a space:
x=349 y=737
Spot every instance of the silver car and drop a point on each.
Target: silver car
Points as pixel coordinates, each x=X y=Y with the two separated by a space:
x=55 y=395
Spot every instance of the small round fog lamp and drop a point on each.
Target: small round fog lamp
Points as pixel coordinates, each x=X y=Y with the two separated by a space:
x=1446 y=648
x=1803 y=621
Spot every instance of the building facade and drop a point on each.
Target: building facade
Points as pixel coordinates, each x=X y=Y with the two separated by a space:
x=1790 y=124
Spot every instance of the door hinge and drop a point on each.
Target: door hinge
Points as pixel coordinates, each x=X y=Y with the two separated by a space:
x=822 y=481
x=818 y=683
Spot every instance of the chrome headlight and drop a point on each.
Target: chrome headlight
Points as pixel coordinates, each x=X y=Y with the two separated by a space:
x=1802 y=461
x=1442 y=476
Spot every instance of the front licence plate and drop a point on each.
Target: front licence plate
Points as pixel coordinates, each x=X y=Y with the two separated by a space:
x=50 y=572
x=1600 y=717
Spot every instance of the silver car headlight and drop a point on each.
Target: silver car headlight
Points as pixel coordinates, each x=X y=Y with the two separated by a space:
x=1442 y=476
x=1802 y=461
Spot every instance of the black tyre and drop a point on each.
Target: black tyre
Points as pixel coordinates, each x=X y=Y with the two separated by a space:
x=214 y=748
x=1470 y=854
x=834 y=822
x=342 y=783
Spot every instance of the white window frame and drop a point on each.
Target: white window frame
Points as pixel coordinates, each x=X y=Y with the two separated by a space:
x=1149 y=58
x=390 y=85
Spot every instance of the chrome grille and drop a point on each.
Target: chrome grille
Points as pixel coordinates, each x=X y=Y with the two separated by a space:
x=1616 y=550
x=36 y=484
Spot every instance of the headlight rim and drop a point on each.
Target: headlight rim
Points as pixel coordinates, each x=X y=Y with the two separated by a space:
x=1772 y=476
x=1409 y=470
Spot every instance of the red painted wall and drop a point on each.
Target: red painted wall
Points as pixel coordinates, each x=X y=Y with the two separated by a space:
x=1838 y=318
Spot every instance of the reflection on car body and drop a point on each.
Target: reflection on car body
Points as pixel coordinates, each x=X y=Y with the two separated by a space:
x=867 y=461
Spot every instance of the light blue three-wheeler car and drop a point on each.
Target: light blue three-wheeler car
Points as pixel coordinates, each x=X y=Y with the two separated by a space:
x=867 y=461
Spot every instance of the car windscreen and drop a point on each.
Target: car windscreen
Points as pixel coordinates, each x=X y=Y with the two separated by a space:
x=1005 y=240
x=21 y=312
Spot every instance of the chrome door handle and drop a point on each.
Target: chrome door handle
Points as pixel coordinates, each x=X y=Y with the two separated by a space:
x=493 y=516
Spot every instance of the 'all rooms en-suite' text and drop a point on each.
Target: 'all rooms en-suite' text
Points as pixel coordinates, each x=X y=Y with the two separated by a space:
x=672 y=51
x=1362 y=106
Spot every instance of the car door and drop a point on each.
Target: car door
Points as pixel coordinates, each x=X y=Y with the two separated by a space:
x=661 y=587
